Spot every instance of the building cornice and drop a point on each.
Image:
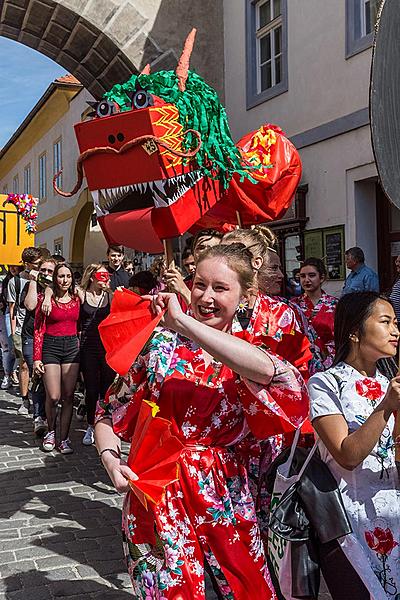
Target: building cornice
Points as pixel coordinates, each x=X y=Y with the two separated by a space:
x=47 y=111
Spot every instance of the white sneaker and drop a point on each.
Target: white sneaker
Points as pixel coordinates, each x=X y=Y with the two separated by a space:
x=39 y=426
x=24 y=408
x=49 y=441
x=6 y=383
x=88 y=438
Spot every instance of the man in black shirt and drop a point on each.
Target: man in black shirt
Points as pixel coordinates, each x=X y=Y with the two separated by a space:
x=119 y=277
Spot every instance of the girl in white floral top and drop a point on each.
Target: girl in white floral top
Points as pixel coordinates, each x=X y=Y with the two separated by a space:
x=352 y=407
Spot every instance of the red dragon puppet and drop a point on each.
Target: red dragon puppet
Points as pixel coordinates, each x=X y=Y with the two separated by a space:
x=160 y=160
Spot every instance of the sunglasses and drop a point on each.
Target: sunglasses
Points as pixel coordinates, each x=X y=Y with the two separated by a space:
x=102 y=276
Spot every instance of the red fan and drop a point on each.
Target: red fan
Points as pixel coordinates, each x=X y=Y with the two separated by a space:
x=153 y=455
x=126 y=329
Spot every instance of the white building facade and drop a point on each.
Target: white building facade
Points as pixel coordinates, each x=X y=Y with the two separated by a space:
x=305 y=65
x=43 y=145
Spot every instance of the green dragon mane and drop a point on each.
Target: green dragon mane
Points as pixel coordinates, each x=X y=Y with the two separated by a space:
x=200 y=109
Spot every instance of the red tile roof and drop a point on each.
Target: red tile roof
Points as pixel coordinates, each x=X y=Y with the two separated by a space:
x=69 y=79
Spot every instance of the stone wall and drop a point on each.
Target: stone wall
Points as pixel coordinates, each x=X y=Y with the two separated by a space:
x=102 y=42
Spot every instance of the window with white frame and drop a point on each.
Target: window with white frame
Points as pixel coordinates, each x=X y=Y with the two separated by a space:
x=57 y=161
x=269 y=44
x=42 y=177
x=27 y=180
x=16 y=184
x=58 y=246
x=368 y=14
x=266 y=50
x=361 y=16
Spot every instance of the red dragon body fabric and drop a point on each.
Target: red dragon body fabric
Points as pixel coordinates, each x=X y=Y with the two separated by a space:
x=159 y=160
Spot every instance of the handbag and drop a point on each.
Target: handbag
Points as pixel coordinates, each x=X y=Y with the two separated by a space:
x=287 y=529
x=307 y=511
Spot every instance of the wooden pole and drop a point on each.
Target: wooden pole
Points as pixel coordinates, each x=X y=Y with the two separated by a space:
x=239 y=220
x=169 y=254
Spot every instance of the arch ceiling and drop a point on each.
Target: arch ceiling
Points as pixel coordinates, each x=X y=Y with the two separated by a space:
x=102 y=42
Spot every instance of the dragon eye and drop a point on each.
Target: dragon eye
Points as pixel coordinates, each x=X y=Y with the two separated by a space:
x=142 y=99
x=105 y=108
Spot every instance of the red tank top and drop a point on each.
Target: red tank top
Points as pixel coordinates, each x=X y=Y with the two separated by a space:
x=63 y=318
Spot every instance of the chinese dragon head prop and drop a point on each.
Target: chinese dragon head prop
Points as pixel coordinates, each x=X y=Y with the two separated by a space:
x=159 y=160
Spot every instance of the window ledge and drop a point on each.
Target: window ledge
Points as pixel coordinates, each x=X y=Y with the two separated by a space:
x=256 y=99
x=357 y=46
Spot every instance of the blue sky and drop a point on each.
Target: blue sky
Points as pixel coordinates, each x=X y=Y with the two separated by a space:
x=24 y=75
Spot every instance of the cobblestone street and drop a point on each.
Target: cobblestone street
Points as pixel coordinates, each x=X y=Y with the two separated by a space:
x=59 y=518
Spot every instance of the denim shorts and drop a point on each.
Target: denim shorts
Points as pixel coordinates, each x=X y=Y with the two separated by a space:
x=60 y=350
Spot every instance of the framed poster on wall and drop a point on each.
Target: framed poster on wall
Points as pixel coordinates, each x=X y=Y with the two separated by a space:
x=327 y=244
x=313 y=243
x=334 y=252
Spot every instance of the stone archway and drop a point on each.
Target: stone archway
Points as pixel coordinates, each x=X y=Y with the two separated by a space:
x=102 y=42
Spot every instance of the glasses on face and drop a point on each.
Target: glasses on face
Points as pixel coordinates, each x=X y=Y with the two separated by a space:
x=102 y=276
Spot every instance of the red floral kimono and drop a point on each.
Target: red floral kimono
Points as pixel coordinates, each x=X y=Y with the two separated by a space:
x=209 y=512
x=321 y=319
x=274 y=325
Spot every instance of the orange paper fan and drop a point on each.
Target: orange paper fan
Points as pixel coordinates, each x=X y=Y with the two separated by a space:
x=153 y=455
x=126 y=329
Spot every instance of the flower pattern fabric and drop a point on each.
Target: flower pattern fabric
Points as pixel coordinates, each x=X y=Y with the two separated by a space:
x=371 y=492
x=209 y=511
x=320 y=319
x=274 y=325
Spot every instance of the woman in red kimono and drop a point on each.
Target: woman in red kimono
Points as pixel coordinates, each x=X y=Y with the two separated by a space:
x=213 y=387
x=319 y=309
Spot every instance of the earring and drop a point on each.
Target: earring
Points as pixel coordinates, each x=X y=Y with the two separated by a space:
x=354 y=338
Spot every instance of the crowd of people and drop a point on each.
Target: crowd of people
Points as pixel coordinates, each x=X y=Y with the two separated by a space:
x=229 y=348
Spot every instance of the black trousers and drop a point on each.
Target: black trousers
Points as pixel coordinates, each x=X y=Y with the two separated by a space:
x=342 y=580
x=97 y=375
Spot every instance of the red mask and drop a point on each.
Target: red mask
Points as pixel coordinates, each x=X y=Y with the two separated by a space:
x=102 y=276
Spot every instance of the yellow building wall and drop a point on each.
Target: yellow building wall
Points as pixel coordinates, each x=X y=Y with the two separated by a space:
x=13 y=235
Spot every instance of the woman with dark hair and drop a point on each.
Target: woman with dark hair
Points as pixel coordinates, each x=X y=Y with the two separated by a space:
x=56 y=354
x=352 y=411
x=319 y=310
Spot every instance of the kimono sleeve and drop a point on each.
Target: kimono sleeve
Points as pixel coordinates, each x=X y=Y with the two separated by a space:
x=122 y=400
x=324 y=396
x=279 y=407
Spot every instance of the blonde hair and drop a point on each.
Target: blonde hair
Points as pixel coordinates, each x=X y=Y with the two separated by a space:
x=88 y=274
x=260 y=241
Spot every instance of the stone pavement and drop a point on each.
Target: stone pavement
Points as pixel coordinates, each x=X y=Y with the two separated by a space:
x=59 y=518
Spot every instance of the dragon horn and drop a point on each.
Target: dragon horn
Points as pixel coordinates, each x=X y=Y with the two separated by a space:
x=145 y=70
x=183 y=63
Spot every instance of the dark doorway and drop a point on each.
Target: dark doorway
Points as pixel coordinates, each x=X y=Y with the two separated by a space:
x=388 y=233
